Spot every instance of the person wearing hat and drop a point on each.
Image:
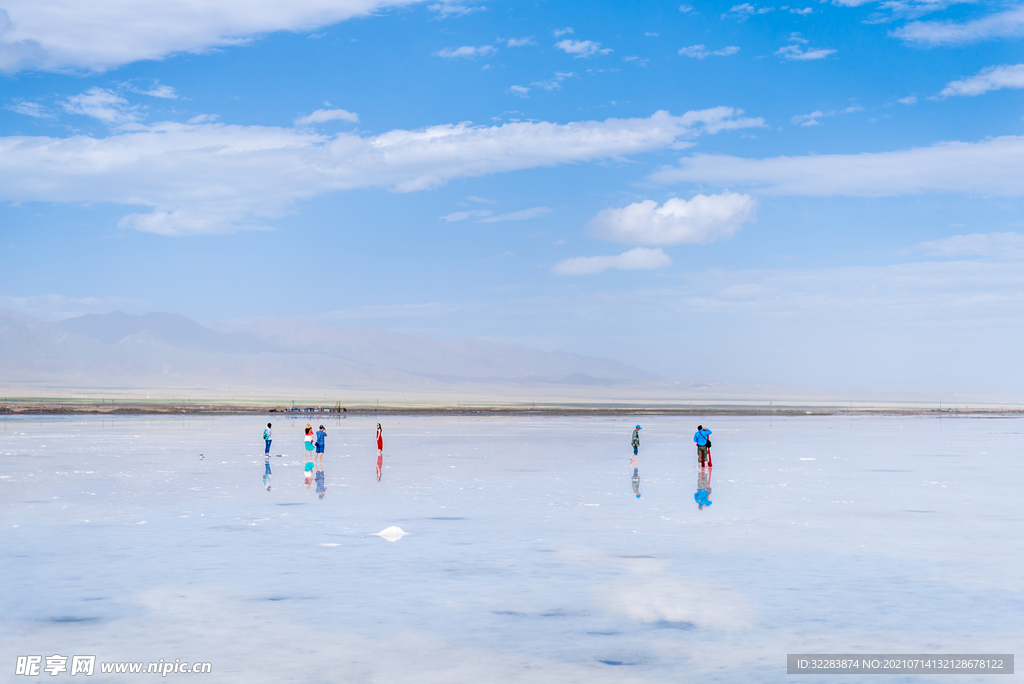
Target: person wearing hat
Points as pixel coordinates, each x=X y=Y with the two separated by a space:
x=700 y=438
x=321 y=436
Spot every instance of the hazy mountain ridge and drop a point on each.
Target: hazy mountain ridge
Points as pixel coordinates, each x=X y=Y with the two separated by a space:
x=168 y=350
x=461 y=358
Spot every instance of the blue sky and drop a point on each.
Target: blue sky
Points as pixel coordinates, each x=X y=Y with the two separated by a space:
x=816 y=195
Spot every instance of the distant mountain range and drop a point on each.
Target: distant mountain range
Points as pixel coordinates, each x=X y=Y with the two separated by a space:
x=162 y=351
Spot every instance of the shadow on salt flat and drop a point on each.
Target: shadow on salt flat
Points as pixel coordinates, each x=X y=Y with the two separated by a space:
x=71 y=619
x=548 y=614
x=667 y=624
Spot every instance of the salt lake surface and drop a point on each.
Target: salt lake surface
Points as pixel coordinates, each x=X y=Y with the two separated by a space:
x=528 y=558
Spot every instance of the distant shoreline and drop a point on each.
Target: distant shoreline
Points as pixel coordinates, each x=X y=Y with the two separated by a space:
x=127 y=407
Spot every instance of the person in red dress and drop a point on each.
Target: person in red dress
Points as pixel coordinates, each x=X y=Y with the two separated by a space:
x=380 y=451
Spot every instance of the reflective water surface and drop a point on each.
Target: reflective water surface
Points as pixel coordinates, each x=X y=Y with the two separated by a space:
x=526 y=557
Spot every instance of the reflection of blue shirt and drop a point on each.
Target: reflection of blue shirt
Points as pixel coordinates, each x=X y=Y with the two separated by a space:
x=320 y=435
x=701 y=437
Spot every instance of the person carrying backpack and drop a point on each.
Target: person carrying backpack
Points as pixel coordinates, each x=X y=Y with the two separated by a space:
x=635 y=442
x=703 y=445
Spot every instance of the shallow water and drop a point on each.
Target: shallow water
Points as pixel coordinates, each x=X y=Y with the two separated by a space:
x=527 y=556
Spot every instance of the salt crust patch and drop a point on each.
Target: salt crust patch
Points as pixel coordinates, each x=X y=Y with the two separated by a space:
x=392 y=533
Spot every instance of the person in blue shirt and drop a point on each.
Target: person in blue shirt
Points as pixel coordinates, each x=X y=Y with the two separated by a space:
x=321 y=436
x=703 y=445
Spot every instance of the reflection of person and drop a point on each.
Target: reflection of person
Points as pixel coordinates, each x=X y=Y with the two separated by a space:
x=380 y=451
x=703 y=444
x=636 y=483
x=266 y=472
x=321 y=488
x=268 y=435
x=703 y=487
x=321 y=436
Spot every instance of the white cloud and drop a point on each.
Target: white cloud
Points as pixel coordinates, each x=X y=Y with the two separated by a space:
x=640 y=258
x=581 y=48
x=33 y=109
x=519 y=91
x=992 y=167
x=745 y=11
x=203 y=118
x=521 y=215
x=488 y=216
x=466 y=51
x=520 y=42
x=1006 y=24
x=989 y=78
x=562 y=32
x=796 y=51
x=324 y=115
x=463 y=215
x=208 y=178
x=685 y=9
x=908 y=100
x=901 y=8
x=162 y=91
x=59 y=35
x=102 y=104
x=812 y=118
x=703 y=219
x=1006 y=245
x=56 y=307
x=805 y=11
x=700 y=52
x=554 y=83
x=451 y=9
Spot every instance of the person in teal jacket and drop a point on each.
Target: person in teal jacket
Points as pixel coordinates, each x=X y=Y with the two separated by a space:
x=703 y=445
